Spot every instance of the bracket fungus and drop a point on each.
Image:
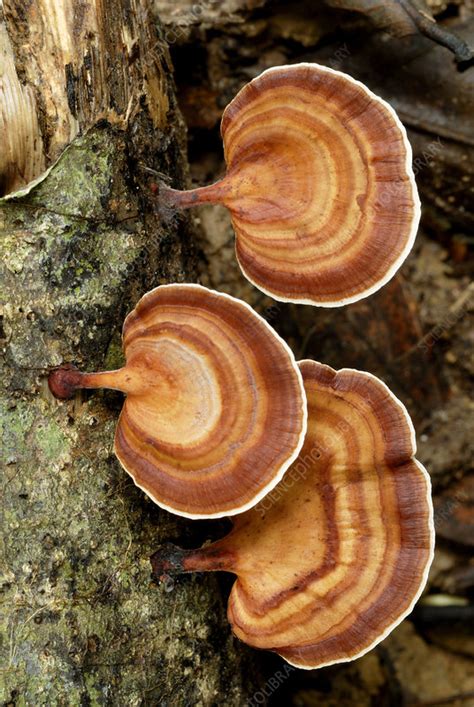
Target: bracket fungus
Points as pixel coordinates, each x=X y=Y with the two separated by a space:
x=337 y=555
x=319 y=184
x=215 y=410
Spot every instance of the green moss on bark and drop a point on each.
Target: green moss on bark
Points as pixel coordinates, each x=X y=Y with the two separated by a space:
x=83 y=623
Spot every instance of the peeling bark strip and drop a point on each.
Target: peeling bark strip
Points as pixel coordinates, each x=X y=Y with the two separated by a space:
x=22 y=156
x=65 y=66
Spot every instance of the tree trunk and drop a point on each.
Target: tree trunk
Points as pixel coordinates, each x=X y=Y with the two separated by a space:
x=87 y=102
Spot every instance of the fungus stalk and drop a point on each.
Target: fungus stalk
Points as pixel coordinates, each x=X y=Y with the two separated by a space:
x=170 y=560
x=66 y=380
x=186 y=199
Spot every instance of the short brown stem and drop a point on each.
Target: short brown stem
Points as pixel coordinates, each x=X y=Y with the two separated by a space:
x=65 y=380
x=170 y=560
x=177 y=199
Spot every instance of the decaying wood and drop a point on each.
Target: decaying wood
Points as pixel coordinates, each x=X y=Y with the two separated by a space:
x=22 y=157
x=61 y=77
x=401 y=18
x=89 y=84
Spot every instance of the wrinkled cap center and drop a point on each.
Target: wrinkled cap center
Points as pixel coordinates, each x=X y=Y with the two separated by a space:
x=178 y=397
x=269 y=180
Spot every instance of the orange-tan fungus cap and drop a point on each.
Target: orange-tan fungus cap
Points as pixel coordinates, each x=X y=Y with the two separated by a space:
x=338 y=553
x=319 y=183
x=215 y=411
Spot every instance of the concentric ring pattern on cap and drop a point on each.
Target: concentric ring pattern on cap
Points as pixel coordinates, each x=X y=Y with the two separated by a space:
x=220 y=411
x=320 y=185
x=337 y=555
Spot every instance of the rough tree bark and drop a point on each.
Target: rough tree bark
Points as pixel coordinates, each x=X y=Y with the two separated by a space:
x=87 y=95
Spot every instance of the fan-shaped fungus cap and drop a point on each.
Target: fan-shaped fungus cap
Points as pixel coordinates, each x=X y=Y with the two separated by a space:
x=319 y=183
x=215 y=410
x=337 y=555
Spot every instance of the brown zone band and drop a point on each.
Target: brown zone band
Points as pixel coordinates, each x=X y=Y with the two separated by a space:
x=385 y=608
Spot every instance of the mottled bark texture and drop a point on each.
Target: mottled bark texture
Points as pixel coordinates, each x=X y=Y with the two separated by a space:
x=86 y=93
